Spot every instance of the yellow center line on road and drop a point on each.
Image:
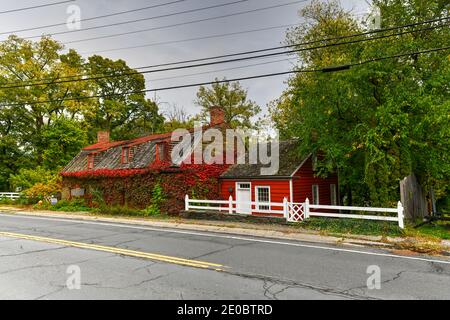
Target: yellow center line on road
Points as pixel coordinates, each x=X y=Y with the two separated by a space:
x=126 y=252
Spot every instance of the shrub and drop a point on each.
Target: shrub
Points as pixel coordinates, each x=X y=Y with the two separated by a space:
x=27 y=178
x=157 y=199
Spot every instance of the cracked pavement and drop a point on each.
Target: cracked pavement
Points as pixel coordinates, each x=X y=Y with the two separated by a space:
x=260 y=270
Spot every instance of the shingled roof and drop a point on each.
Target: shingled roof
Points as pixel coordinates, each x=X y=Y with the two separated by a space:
x=290 y=161
x=108 y=155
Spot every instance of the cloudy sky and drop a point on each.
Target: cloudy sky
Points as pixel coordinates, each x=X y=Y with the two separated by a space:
x=171 y=43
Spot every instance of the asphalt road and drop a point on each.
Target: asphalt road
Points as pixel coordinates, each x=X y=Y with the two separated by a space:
x=135 y=262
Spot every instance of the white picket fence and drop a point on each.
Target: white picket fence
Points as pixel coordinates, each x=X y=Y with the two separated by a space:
x=297 y=212
x=9 y=195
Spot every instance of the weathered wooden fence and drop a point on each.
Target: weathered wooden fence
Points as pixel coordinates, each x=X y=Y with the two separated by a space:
x=413 y=198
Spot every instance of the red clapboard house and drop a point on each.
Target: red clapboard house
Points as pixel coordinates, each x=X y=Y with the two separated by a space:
x=124 y=173
x=295 y=181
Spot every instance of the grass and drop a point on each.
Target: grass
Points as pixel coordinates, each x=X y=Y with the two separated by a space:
x=79 y=205
x=353 y=226
x=436 y=229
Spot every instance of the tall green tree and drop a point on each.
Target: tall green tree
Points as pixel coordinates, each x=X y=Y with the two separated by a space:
x=379 y=122
x=232 y=98
x=25 y=62
x=63 y=139
x=44 y=121
x=123 y=105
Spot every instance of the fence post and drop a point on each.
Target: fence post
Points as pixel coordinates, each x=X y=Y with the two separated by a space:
x=186 y=203
x=230 y=205
x=306 y=208
x=285 y=208
x=400 y=210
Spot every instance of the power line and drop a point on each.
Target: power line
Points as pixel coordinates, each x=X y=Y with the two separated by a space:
x=36 y=6
x=269 y=49
x=219 y=70
x=219 y=62
x=95 y=18
x=274 y=48
x=186 y=23
x=325 y=69
x=191 y=39
x=308 y=43
x=144 y=19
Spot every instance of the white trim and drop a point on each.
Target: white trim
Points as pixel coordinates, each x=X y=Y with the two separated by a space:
x=263 y=203
x=291 y=189
x=301 y=165
x=333 y=193
x=314 y=196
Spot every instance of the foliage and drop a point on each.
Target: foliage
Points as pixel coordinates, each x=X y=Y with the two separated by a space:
x=45 y=191
x=126 y=114
x=232 y=98
x=27 y=178
x=75 y=205
x=48 y=135
x=63 y=140
x=143 y=190
x=378 y=122
x=157 y=199
x=438 y=229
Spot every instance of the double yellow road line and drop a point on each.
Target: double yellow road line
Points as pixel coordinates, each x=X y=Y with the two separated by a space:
x=125 y=252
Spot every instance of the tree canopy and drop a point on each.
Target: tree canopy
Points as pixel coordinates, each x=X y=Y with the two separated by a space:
x=232 y=98
x=45 y=118
x=377 y=122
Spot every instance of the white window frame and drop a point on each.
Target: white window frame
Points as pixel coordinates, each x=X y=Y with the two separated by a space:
x=259 y=204
x=316 y=200
x=333 y=194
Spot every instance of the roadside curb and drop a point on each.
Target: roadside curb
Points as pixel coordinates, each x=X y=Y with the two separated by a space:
x=293 y=236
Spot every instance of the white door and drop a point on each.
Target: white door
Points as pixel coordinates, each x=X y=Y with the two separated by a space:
x=243 y=198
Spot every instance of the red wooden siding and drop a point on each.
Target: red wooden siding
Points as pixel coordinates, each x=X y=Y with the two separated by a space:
x=302 y=185
x=279 y=189
x=304 y=180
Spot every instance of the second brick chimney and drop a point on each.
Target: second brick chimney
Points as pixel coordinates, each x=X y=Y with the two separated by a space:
x=217 y=115
x=103 y=137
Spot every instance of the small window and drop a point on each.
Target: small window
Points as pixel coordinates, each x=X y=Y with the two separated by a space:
x=125 y=155
x=244 y=186
x=162 y=151
x=315 y=192
x=263 y=198
x=333 y=195
x=90 y=162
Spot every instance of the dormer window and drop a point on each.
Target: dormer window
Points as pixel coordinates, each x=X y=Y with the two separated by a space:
x=90 y=162
x=161 y=151
x=125 y=155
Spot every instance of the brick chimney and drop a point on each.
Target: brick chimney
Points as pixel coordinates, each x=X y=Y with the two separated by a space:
x=103 y=137
x=217 y=115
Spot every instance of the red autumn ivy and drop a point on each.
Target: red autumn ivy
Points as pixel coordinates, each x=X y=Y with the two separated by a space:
x=132 y=187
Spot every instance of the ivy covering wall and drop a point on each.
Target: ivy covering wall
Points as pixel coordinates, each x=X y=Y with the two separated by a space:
x=134 y=188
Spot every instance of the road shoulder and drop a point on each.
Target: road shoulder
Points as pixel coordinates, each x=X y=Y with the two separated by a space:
x=240 y=229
